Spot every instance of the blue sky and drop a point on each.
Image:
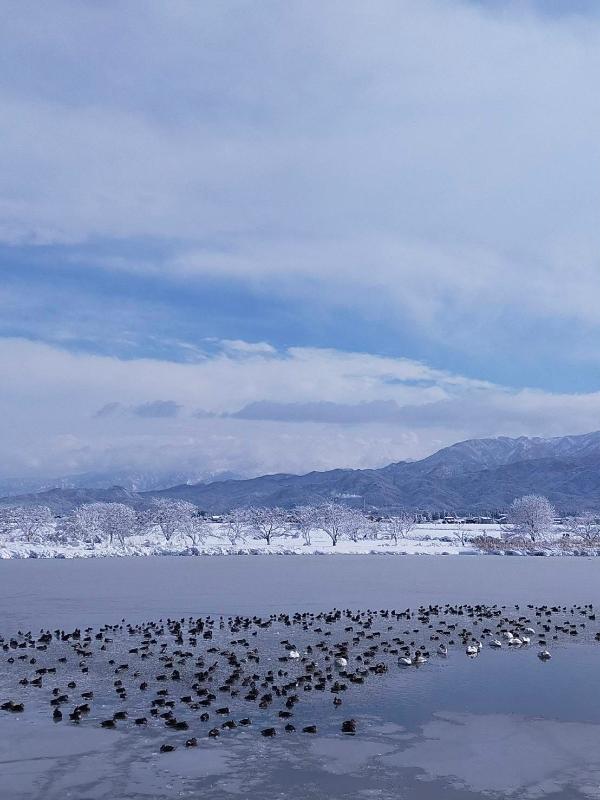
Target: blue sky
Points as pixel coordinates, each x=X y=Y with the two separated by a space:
x=379 y=184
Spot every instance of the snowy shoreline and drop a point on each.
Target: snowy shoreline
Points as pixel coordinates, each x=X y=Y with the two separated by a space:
x=22 y=550
x=425 y=540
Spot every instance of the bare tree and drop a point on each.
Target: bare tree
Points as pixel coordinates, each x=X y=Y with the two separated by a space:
x=399 y=526
x=461 y=533
x=266 y=523
x=531 y=516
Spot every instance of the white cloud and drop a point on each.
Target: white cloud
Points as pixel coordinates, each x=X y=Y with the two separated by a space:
x=237 y=347
x=431 y=158
x=63 y=412
x=431 y=161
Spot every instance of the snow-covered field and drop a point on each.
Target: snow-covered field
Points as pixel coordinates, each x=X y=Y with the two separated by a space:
x=425 y=539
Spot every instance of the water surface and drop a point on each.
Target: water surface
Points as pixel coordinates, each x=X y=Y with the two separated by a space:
x=501 y=725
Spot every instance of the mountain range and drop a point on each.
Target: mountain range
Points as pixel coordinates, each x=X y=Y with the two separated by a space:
x=132 y=480
x=478 y=475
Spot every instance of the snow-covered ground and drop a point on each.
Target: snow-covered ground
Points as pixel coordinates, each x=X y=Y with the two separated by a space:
x=425 y=539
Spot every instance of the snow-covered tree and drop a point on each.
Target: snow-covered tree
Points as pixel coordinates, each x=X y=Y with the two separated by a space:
x=335 y=520
x=305 y=522
x=531 y=516
x=235 y=525
x=172 y=516
x=194 y=527
x=399 y=526
x=7 y=520
x=266 y=523
x=117 y=521
x=32 y=521
x=81 y=525
x=586 y=526
x=97 y=522
x=357 y=526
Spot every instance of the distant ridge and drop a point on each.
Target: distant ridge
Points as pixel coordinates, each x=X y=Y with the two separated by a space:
x=471 y=476
x=133 y=480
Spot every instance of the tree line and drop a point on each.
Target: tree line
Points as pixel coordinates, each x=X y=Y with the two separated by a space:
x=530 y=519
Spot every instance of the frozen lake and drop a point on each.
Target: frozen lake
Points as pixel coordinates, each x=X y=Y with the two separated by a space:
x=50 y=592
x=501 y=725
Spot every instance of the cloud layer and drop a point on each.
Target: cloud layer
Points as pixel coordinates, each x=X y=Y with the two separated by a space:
x=284 y=236
x=252 y=409
x=425 y=164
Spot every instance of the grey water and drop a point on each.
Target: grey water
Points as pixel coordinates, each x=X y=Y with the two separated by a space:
x=501 y=725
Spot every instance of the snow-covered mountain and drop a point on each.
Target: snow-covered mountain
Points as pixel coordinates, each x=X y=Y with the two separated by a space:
x=476 y=454
x=475 y=475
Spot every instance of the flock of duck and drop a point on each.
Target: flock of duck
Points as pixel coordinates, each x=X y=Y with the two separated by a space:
x=202 y=675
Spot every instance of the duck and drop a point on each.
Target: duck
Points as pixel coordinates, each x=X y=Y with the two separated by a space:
x=442 y=650
x=349 y=726
x=544 y=655
x=472 y=650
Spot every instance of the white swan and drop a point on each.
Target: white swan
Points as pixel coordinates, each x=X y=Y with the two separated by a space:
x=340 y=661
x=515 y=642
x=472 y=650
x=293 y=654
x=495 y=643
x=507 y=635
x=530 y=630
x=525 y=640
x=405 y=661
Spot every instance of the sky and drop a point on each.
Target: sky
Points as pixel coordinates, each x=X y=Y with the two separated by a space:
x=281 y=236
